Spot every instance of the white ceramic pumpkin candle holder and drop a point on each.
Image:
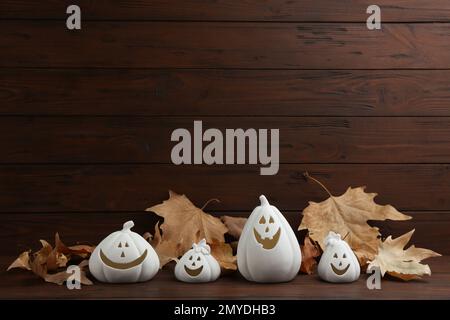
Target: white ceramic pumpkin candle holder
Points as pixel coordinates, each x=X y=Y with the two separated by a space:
x=268 y=250
x=198 y=265
x=338 y=262
x=124 y=256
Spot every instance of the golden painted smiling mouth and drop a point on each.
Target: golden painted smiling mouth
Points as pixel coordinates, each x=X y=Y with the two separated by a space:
x=193 y=272
x=266 y=242
x=339 y=272
x=123 y=266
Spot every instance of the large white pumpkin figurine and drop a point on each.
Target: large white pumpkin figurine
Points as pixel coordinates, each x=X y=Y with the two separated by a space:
x=338 y=262
x=198 y=265
x=124 y=256
x=268 y=250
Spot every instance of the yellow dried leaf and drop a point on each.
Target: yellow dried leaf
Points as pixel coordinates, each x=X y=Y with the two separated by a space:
x=184 y=224
x=165 y=249
x=44 y=252
x=38 y=268
x=224 y=255
x=22 y=261
x=310 y=251
x=54 y=259
x=400 y=263
x=234 y=245
x=62 y=276
x=80 y=250
x=234 y=225
x=61 y=254
x=156 y=239
x=348 y=215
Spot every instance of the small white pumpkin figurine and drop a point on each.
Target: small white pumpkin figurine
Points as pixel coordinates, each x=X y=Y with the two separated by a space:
x=198 y=265
x=124 y=256
x=268 y=250
x=338 y=262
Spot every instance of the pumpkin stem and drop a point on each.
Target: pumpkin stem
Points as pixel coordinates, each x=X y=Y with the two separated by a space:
x=263 y=200
x=128 y=225
x=307 y=176
x=209 y=201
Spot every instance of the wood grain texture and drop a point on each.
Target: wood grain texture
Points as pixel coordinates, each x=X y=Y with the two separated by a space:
x=225 y=92
x=85 y=116
x=23 y=230
x=148 y=140
x=225 y=45
x=21 y=284
x=232 y=10
x=78 y=188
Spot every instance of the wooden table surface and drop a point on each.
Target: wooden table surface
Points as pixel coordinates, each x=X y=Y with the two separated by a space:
x=18 y=284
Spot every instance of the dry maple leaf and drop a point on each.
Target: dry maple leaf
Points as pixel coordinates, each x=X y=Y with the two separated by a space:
x=234 y=245
x=53 y=259
x=166 y=250
x=399 y=263
x=348 y=215
x=80 y=250
x=234 y=225
x=184 y=224
x=223 y=252
x=310 y=251
x=22 y=261
x=39 y=261
x=62 y=276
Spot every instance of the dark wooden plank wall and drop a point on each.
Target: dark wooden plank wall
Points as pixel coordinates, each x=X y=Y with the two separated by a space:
x=231 y=10
x=86 y=116
x=229 y=45
x=224 y=92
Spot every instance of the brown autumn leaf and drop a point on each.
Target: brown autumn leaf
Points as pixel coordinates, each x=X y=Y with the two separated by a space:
x=164 y=249
x=54 y=260
x=403 y=264
x=22 y=261
x=223 y=252
x=39 y=261
x=234 y=225
x=184 y=224
x=310 y=251
x=234 y=245
x=348 y=215
x=62 y=276
x=80 y=250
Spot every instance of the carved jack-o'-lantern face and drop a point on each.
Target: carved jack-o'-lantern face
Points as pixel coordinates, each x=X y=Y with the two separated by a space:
x=267 y=231
x=268 y=250
x=194 y=265
x=338 y=262
x=339 y=265
x=124 y=256
x=197 y=265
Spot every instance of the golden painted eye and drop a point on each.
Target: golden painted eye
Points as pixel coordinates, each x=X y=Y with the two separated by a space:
x=120 y=244
x=262 y=220
x=126 y=244
x=198 y=259
x=335 y=255
x=271 y=220
x=344 y=256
